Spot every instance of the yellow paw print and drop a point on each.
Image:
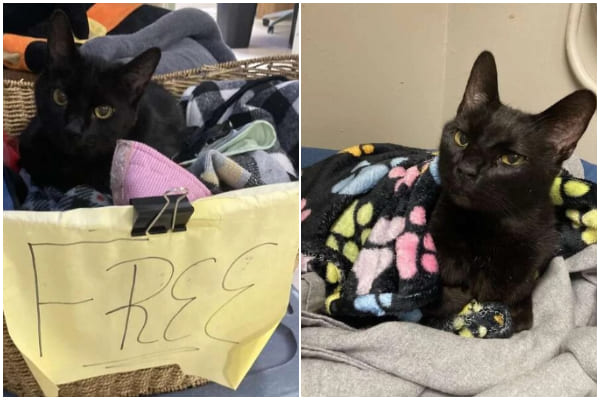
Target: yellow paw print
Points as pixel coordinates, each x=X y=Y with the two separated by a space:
x=337 y=293
x=588 y=220
x=342 y=238
x=333 y=274
x=499 y=318
x=555 y=192
x=472 y=307
x=345 y=228
x=571 y=188
x=589 y=236
x=358 y=150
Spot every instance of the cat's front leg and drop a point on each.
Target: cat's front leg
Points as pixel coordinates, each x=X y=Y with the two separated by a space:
x=510 y=289
x=451 y=301
x=522 y=314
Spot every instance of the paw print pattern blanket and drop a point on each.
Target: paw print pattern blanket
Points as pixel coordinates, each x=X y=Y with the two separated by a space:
x=365 y=215
x=364 y=230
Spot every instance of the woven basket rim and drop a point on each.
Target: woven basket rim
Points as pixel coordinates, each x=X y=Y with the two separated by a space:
x=188 y=72
x=229 y=65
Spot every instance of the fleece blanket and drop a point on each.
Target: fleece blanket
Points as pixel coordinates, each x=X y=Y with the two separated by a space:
x=365 y=232
x=556 y=357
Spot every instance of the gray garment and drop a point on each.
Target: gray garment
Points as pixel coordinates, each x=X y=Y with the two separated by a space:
x=556 y=357
x=188 y=38
x=553 y=358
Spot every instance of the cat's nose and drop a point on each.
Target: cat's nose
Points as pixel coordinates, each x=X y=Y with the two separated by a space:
x=75 y=126
x=467 y=169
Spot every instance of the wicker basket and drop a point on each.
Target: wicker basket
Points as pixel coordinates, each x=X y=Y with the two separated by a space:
x=19 y=108
x=19 y=104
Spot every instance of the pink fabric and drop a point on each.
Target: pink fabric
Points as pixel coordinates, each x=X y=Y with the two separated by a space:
x=397 y=172
x=428 y=242
x=429 y=263
x=305 y=213
x=368 y=266
x=407 y=179
x=406 y=255
x=139 y=170
x=304 y=261
x=417 y=216
x=386 y=230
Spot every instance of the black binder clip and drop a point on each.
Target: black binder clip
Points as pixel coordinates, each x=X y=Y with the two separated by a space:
x=159 y=214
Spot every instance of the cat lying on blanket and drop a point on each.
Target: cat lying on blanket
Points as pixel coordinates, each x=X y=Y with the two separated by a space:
x=494 y=224
x=84 y=105
x=455 y=239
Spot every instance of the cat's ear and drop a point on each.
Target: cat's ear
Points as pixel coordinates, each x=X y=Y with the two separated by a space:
x=61 y=46
x=563 y=124
x=482 y=88
x=137 y=73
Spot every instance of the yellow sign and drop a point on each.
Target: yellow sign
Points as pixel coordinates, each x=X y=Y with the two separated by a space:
x=82 y=298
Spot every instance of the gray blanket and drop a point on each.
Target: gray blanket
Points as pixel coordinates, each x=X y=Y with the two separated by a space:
x=188 y=38
x=557 y=357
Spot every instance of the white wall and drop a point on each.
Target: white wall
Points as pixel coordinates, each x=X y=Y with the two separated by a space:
x=396 y=72
x=371 y=73
x=528 y=41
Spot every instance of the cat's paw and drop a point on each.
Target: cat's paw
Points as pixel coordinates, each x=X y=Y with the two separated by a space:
x=482 y=320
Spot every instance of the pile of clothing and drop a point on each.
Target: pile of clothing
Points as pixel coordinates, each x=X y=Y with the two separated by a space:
x=240 y=134
x=188 y=38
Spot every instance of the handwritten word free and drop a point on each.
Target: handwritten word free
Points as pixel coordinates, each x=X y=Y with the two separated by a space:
x=150 y=299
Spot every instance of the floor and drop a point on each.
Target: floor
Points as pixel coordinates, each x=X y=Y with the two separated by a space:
x=262 y=44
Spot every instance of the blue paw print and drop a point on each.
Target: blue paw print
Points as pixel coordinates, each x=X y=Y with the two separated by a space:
x=434 y=168
x=374 y=304
x=364 y=176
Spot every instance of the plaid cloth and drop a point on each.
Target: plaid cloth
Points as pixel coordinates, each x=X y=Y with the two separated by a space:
x=274 y=100
x=256 y=168
x=51 y=199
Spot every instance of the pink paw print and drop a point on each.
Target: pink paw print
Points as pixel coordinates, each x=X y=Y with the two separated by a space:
x=405 y=176
x=407 y=244
x=305 y=213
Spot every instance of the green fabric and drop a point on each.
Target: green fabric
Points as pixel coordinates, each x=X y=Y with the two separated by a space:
x=257 y=135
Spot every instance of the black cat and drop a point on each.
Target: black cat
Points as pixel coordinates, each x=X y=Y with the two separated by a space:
x=494 y=225
x=84 y=105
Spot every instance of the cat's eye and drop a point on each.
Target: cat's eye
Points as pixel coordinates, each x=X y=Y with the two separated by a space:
x=512 y=159
x=59 y=97
x=461 y=139
x=103 y=112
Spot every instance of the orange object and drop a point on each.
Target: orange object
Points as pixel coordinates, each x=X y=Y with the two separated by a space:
x=105 y=14
x=14 y=50
x=110 y=15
